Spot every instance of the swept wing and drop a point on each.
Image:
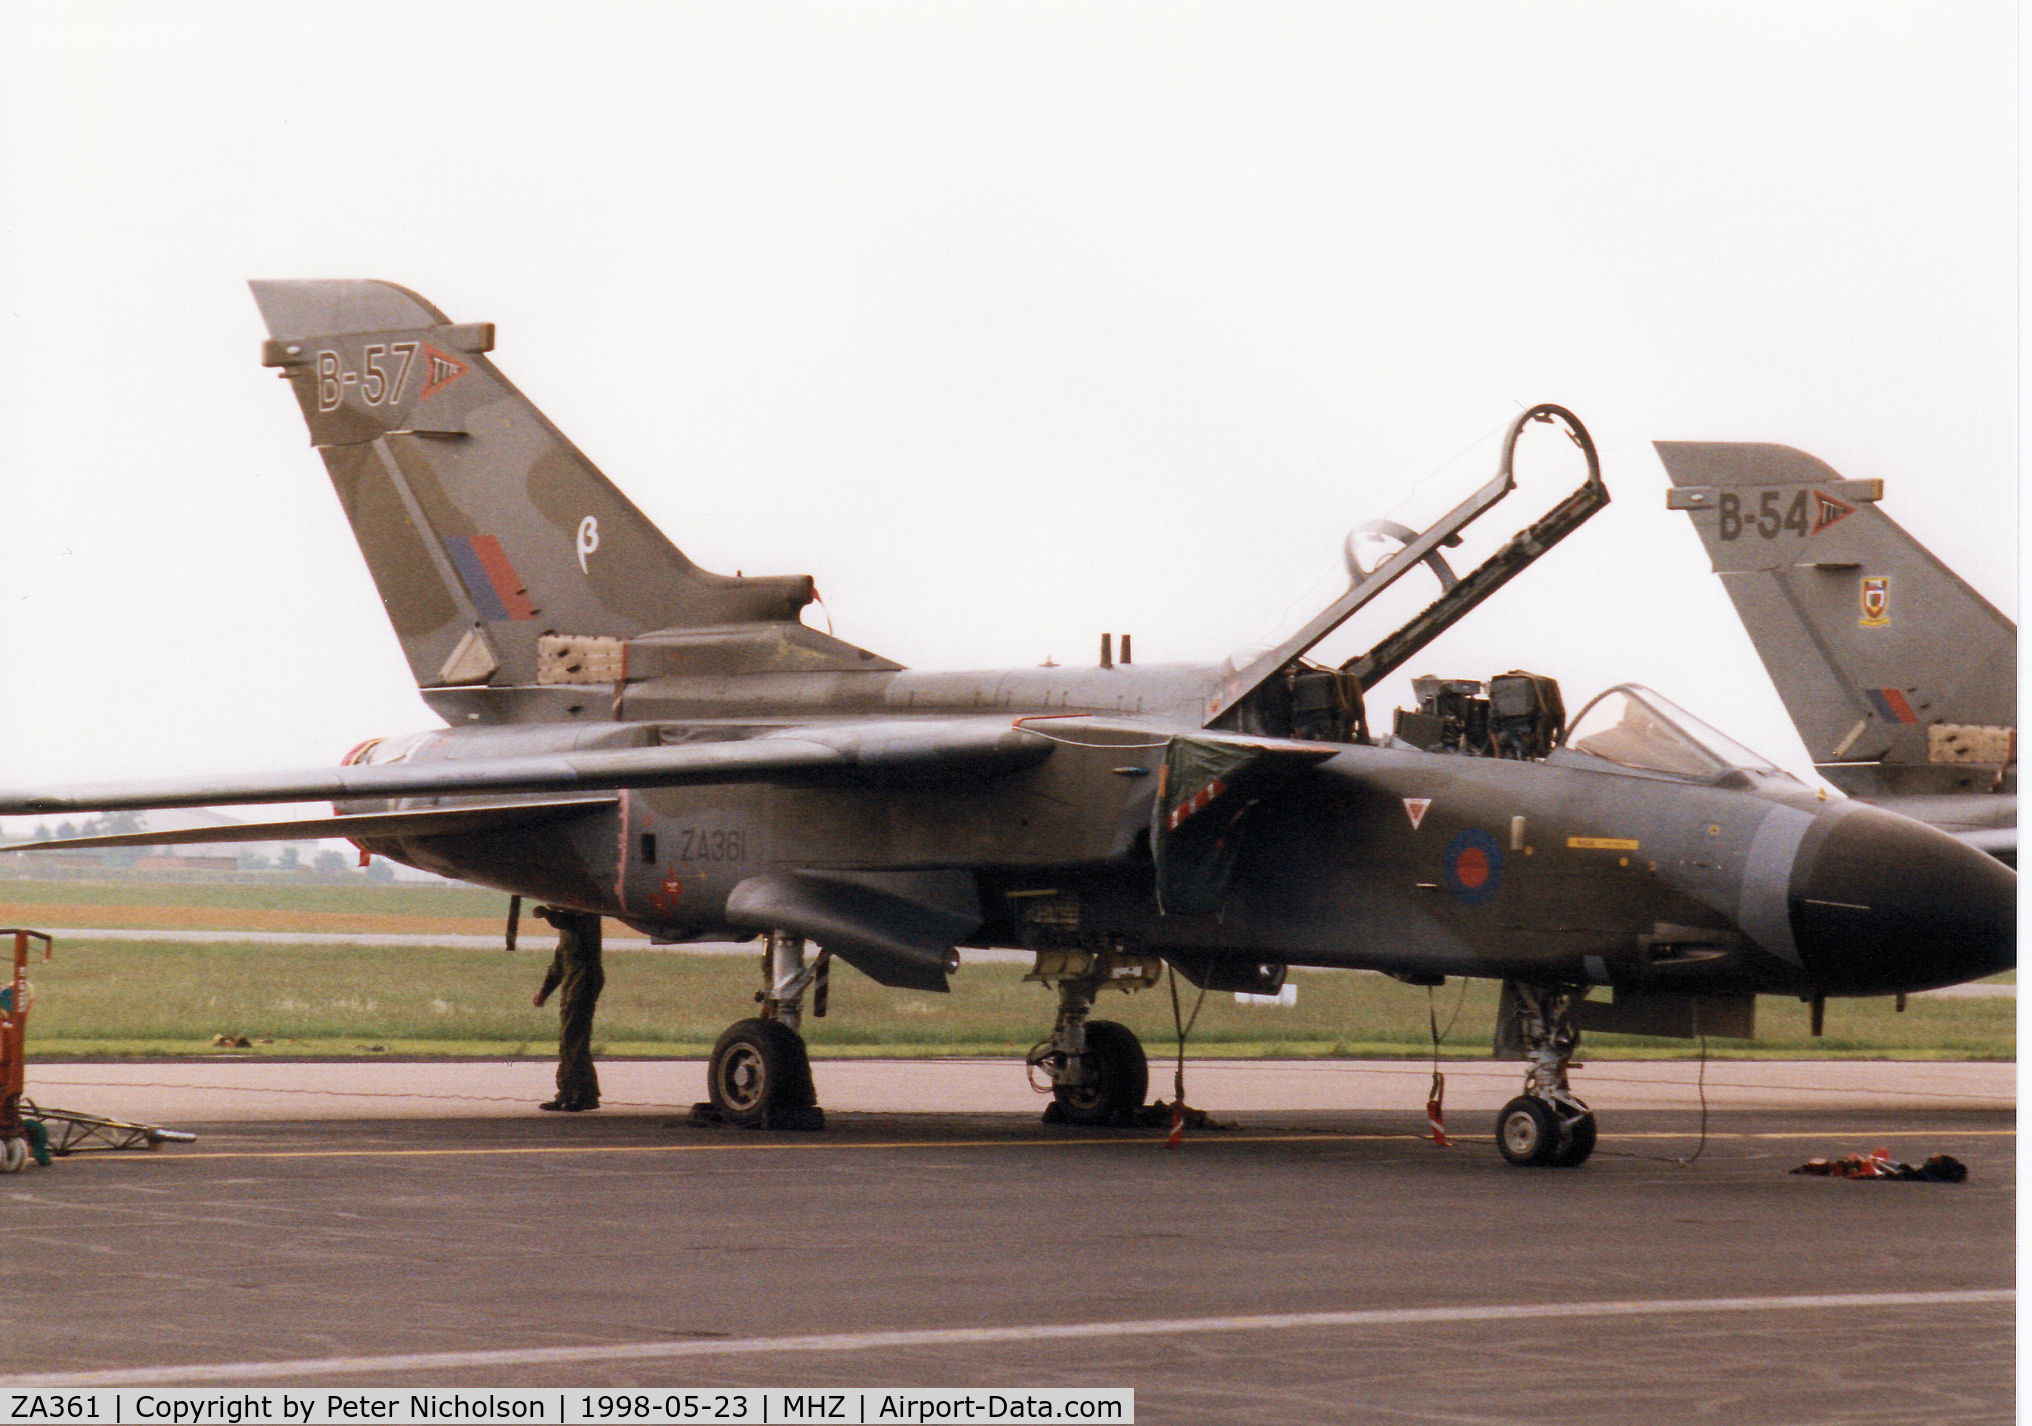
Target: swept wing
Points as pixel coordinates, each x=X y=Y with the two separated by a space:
x=844 y=754
x=423 y=822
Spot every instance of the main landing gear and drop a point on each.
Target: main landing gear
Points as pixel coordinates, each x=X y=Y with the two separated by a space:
x=1546 y=1125
x=759 y=1076
x=1095 y=1069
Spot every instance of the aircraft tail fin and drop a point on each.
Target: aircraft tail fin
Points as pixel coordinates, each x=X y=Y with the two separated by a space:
x=504 y=557
x=1898 y=675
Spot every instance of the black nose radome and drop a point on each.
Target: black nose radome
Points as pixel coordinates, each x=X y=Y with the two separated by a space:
x=1882 y=904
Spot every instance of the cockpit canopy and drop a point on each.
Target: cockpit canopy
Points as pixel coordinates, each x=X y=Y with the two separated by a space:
x=1635 y=728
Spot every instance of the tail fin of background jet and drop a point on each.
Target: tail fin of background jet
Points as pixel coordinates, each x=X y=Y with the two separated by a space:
x=504 y=557
x=1901 y=679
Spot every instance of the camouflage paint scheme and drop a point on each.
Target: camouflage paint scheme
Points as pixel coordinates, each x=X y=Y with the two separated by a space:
x=632 y=735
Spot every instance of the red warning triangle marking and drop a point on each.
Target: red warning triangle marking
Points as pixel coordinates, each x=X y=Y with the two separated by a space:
x=444 y=370
x=1415 y=809
x=1830 y=510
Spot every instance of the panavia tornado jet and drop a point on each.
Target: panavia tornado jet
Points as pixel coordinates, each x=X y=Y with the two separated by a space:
x=1902 y=680
x=633 y=736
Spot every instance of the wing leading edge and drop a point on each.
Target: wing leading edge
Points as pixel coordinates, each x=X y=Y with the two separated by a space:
x=847 y=754
x=423 y=822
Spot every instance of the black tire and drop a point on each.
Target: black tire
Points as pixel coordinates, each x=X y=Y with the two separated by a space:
x=758 y=1069
x=1575 y=1143
x=1527 y=1132
x=1114 y=1080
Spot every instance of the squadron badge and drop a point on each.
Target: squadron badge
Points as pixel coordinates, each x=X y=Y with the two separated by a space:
x=1876 y=602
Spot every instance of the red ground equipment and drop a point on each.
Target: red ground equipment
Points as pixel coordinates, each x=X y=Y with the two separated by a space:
x=14 y=1140
x=26 y=1128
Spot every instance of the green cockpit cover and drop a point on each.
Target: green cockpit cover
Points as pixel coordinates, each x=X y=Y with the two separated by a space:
x=1203 y=795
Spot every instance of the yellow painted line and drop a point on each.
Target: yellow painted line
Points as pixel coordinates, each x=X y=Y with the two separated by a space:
x=1603 y=844
x=1610 y=1139
x=1214 y=1137
x=1156 y=1140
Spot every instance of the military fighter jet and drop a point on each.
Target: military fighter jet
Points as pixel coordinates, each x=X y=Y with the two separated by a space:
x=632 y=735
x=1902 y=680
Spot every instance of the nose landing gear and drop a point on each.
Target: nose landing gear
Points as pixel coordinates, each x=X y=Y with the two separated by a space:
x=1547 y=1125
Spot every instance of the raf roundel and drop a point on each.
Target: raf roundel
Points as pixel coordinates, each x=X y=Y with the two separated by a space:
x=1473 y=866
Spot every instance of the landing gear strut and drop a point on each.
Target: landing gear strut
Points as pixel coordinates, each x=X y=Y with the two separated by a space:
x=1095 y=1069
x=1546 y=1124
x=759 y=1076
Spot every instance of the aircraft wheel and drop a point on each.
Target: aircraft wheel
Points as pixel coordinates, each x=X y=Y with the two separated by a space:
x=1527 y=1132
x=1576 y=1143
x=758 y=1069
x=14 y=1156
x=1115 y=1076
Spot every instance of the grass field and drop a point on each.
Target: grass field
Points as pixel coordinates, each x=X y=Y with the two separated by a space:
x=282 y=905
x=150 y=998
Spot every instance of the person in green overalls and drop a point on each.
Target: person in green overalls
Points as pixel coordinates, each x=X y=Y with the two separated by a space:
x=575 y=970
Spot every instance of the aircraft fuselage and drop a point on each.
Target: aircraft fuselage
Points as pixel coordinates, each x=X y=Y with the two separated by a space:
x=1387 y=858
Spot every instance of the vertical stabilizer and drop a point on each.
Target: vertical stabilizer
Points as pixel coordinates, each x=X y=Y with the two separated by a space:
x=1898 y=675
x=498 y=549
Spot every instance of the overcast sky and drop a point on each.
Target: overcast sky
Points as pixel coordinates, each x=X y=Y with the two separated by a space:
x=1009 y=323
